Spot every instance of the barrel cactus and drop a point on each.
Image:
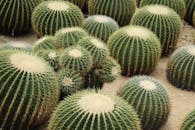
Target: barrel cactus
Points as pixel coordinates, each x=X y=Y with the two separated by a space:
x=100 y=26
x=29 y=90
x=177 y=5
x=97 y=48
x=120 y=10
x=50 y=16
x=165 y=23
x=16 y=15
x=136 y=49
x=181 y=68
x=67 y=37
x=91 y=110
x=190 y=7
x=188 y=123
x=149 y=99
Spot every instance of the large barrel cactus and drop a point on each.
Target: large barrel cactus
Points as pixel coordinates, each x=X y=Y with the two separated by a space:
x=120 y=10
x=29 y=90
x=181 y=68
x=190 y=8
x=50 y=16
x=163 y=21
x=15 y=15
x=149 y=99
x=189 y=122
x=90 y=110
x=136 y=49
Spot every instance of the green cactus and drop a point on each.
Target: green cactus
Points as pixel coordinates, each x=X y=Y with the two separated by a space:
x=163 y=21
x=45 y=43
x=91 y=110
x=100 y=26
x=177 y=5
x=149 y=98
x=50 y=16
x=120 y=10
x=29 y=90
x=190 y=7
x=181 y=68
x=16 y=15
x=97 y=48
x=136 y=49
x=67 y=37
x=109 y=71
x=188 y=123
x=76 y=58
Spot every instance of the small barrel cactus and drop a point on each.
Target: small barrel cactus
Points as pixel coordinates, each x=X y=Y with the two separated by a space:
x=136 y=49
x=76 y=58
x=189 y=122
x=29 y=90
x=97 y=48
x=50 y=16
x=163 y=21
x=16 y=15
x=109 y=71
x=177 y=5
x=149 y=99
x=67 y=37
x=100 y=26
x=91 y=110
x=119 y=10
x=190 y=7
x=181 y=68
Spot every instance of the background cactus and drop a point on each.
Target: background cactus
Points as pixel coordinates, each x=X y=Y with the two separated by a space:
x=149 y=99
x=121 y=10
x=79 y=3
x=177 y=5
x=194 y=18
x=181 y=68
x=67 y=37
x=188 y=123
x=16 y=15
x=29 y=90
x=100 y=26
x=89 y=110
x=136 y=49
x=165 y=23
x=50 y=16
x=190 y=7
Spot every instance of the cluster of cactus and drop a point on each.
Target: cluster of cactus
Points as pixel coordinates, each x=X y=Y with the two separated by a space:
x=177 y=5
x=189 y=122
x=29 y=90
x=149 y=98
x=190 y=8
x=119 y=10
x=181 y=68
x=50 y=16
x=16 y=15
x=89 y=110
x=136 y=49
x=163 y=21
x=100 y=26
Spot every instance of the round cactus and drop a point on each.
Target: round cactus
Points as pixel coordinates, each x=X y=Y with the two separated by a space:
x=45 y=43
x=76 y=58
x=177 y=5
x=120 y=10
x=16 y=15
x=100 y=26
x=190 y=7
x=149 y=99
x=97 y=48
x=67 y=37
x=70 y=82
x=29 y=90
x=89 y=110
x=165 y=23
x=181 y=68
x=109 y=71
x=188 y=123
x=50 y=16
x=136 y=49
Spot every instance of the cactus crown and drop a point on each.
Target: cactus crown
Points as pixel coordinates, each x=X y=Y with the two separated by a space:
x=58 y=6
x=140 y=32
x=159 y=10
x=76 y=53
x=147 y=84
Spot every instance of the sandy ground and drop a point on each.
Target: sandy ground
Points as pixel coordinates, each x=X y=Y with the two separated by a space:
x=182 y=102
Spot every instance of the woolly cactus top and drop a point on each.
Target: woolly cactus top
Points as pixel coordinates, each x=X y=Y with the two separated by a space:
x=58 y=6
x=76 y=53
x=191 y=50
x=158 y=10
x=70 y=29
